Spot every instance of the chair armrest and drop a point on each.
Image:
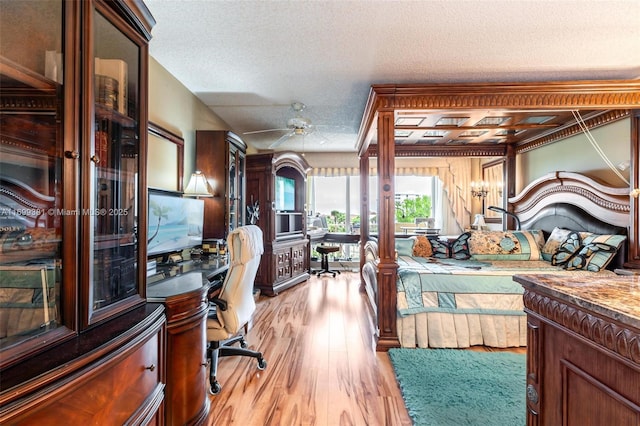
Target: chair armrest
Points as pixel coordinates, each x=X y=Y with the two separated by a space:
x=213 y=292
x=221 y=304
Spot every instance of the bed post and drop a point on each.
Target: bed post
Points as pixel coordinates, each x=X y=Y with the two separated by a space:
x=510 y=182
x=387 y=268
x=633 y=257
x=364 y=210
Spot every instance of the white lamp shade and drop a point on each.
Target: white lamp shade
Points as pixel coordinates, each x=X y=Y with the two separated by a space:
x=198 y=186
x=479 y=221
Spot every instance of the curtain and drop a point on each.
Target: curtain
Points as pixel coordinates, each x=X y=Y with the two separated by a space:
x=334 y=171
x=455 y=176
x=456 y=179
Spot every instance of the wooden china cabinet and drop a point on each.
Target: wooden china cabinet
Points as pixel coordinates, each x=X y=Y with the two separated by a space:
x=78 y=340
x=220 y=156
x=277 y=181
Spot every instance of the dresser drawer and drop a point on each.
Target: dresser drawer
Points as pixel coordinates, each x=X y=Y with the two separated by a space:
x=125 y=386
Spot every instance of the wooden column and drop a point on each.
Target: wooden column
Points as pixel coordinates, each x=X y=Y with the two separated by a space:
x=387 y=268
x=364 y=209
x=633 y=259
x=510 y=182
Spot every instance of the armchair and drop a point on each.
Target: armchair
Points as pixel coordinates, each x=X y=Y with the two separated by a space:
x=234 y=305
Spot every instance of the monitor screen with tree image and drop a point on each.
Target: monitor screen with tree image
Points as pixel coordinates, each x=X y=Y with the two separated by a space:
x=285 y=194
x=175 y=223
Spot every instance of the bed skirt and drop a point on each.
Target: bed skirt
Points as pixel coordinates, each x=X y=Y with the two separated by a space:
x=448 y=330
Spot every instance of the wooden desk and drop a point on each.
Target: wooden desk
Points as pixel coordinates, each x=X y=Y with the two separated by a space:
x=210 y=268
x=185 y=298
x=583 y=349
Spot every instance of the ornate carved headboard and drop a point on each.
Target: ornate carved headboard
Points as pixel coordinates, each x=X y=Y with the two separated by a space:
x=576 y=202
x=29 y=229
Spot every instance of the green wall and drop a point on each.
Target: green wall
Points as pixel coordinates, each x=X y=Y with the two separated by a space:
x=576 y=154
x=176 y=109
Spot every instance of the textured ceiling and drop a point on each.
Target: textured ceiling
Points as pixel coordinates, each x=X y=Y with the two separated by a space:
x=249 y=60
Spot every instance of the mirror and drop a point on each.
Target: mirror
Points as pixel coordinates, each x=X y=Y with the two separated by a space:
x=165 y=159
x=493 y=174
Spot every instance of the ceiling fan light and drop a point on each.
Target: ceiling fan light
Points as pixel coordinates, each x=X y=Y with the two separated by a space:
x=298 y=122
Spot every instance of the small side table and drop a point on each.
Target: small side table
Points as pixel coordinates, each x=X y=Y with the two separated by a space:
x=324 y=263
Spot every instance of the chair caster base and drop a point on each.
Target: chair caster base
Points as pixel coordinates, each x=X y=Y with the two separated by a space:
x=215 y=388
x=262 y=364
x=319 y=273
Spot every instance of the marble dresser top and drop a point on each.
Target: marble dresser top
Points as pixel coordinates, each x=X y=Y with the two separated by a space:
x=616 y=297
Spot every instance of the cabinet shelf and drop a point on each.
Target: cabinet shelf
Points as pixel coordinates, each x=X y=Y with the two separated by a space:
x=289 y=224
x=105 y=113
x=29 y=78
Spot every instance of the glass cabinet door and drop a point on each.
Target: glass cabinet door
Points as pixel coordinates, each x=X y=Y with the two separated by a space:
x=233 y=188
x=31 y=172
x=114 y=166
x=242 y=211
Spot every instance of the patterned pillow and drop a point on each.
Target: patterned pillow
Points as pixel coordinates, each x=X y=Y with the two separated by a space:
x=404 y=246
x=439 y=248
x=567 y=249
x=557 y=237
x=457 y=249
x=460 y=247
x=587 y=257
x=506 y=245
x=422 y=247
x=596 y=250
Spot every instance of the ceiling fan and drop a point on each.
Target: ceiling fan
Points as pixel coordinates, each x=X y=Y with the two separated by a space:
x=296 y=126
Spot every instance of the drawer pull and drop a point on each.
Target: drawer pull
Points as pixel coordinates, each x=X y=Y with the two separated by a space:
x=151 y=367
x=532 y=395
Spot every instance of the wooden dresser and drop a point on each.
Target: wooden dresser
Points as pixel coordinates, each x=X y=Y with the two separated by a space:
x=111 y=375
x=583 y=359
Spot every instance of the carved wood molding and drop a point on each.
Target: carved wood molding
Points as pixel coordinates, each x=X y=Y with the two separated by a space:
x=610 y=336
x=609 y=205
x=31 y=101
x=575 y=94
x=510 y=100
x=443 y=151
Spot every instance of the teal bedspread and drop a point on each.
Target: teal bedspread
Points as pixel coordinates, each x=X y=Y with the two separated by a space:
x=462 y=286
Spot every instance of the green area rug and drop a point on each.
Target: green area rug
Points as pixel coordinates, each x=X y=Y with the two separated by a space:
x=462 y=387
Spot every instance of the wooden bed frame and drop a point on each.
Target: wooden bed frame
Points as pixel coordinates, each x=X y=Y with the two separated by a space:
x=609 y=100
x=560 y=199
x=577 y=202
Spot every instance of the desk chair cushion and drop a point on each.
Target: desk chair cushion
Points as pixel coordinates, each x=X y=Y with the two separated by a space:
x=245 y=249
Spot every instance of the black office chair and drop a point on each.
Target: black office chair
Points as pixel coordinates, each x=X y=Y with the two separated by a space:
x=235 y=304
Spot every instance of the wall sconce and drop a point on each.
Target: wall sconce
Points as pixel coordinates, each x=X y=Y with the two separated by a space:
x=499 y=187
x=479 y=189
x=198 y=186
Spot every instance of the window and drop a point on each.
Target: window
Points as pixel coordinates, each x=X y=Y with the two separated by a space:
x=338 y=197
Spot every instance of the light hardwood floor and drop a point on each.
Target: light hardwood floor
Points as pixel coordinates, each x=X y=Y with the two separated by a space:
x=322 y=367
